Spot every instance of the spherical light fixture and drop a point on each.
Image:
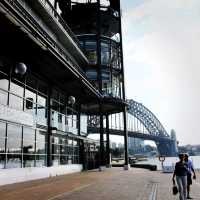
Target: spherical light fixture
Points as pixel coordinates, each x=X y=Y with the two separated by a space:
x=20 y=68
x=71 y=100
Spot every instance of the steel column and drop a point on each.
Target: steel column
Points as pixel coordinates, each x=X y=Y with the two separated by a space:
x=108 y=164
x=126 y=163
x=102 y=157
x=49 y=130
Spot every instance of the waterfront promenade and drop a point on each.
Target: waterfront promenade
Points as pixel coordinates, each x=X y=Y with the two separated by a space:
x=110 y=184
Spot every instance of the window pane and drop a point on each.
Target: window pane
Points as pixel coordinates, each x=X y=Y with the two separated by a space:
x=55 y=160
x=13 y=161
x=28 y=160
x=41 y=101
x=105 y=57
x=14 y=139
x=41 y=110
x=40 y=142
x=55 y=149
x=28 y=141
x=41 y=115
x=63 y=160
x=17 y=89
x=2 y=137
x=91 y=53
x=30 y=95
x=91 y=74
x=40 y=160
x=16 y=102
x=2 y=160
x=3 y=97
x=3 y=82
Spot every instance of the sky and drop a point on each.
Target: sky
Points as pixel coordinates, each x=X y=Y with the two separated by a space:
x=161 y=42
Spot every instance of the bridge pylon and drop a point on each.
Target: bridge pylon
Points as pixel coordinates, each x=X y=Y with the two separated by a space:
x=167 y=147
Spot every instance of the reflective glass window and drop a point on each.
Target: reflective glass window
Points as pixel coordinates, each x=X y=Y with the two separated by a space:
x=28 y=160
x=28 y=141
x=70 y=141
x=16 y=102
x=17 y=89
x=91 y=74
x=55 y=149
x=105 y=74
x=75 y=142
x=3 y=97
x=30 y=95
x=115 y=56
x=105 y=53
x=2 y=160
x=3 y=81
x=63 y=159
x=40 y=142
x=55 y=160
x=41 y=110
x=14 y=134
x=2 y=137
x=14 y=160
x=40 y=160
x=91 y=52
x=42 y=101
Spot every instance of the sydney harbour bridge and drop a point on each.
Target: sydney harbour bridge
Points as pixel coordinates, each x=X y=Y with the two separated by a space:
x=141 y=123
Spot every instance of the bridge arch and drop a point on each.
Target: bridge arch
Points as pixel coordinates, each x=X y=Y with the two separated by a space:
x=166 y=144
x=156 y=132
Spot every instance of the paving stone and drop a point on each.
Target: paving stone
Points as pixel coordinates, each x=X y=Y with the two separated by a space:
x=111 y=184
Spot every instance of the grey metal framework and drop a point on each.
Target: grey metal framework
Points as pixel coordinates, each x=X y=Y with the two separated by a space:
x=97 y=25
x=147 y=118
x=152 y=128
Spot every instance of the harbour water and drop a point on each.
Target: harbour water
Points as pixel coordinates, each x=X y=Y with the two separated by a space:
x=170 y=161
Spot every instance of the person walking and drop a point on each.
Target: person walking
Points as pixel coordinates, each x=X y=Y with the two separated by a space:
x=189 y=174
x=181 y=176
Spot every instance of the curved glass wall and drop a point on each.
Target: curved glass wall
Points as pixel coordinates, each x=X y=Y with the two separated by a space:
x=110 y=62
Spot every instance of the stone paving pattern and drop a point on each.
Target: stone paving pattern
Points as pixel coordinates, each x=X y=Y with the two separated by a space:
x=110 y=184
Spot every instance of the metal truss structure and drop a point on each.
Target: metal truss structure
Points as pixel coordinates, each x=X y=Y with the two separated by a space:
x=166 y=145
x=147 y=118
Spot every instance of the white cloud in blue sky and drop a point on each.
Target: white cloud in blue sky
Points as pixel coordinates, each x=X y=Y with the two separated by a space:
x=161 y=50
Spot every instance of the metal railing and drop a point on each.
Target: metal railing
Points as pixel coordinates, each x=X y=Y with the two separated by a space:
x=58 y=18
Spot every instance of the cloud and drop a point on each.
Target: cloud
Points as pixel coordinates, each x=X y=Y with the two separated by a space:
x=161 y=47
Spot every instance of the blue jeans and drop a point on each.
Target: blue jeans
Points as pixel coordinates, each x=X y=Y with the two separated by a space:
x=182 y=186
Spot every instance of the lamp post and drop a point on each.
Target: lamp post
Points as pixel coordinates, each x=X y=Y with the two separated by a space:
x=161 y=159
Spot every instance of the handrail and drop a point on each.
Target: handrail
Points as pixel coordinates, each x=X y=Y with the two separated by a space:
x=60 y=20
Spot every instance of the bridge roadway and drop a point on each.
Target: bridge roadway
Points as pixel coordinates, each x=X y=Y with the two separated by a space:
x=109 y=184
x=165 y=144
x=137 y=134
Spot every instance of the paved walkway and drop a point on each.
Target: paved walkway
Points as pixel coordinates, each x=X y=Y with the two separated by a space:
x=111 y=184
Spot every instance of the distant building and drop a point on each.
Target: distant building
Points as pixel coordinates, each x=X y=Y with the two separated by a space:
x=113 y=145
x=135 y=145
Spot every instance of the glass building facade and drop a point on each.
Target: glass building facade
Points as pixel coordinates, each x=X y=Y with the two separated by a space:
x=110 y=63
x=40 y=124
x=24 y=143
